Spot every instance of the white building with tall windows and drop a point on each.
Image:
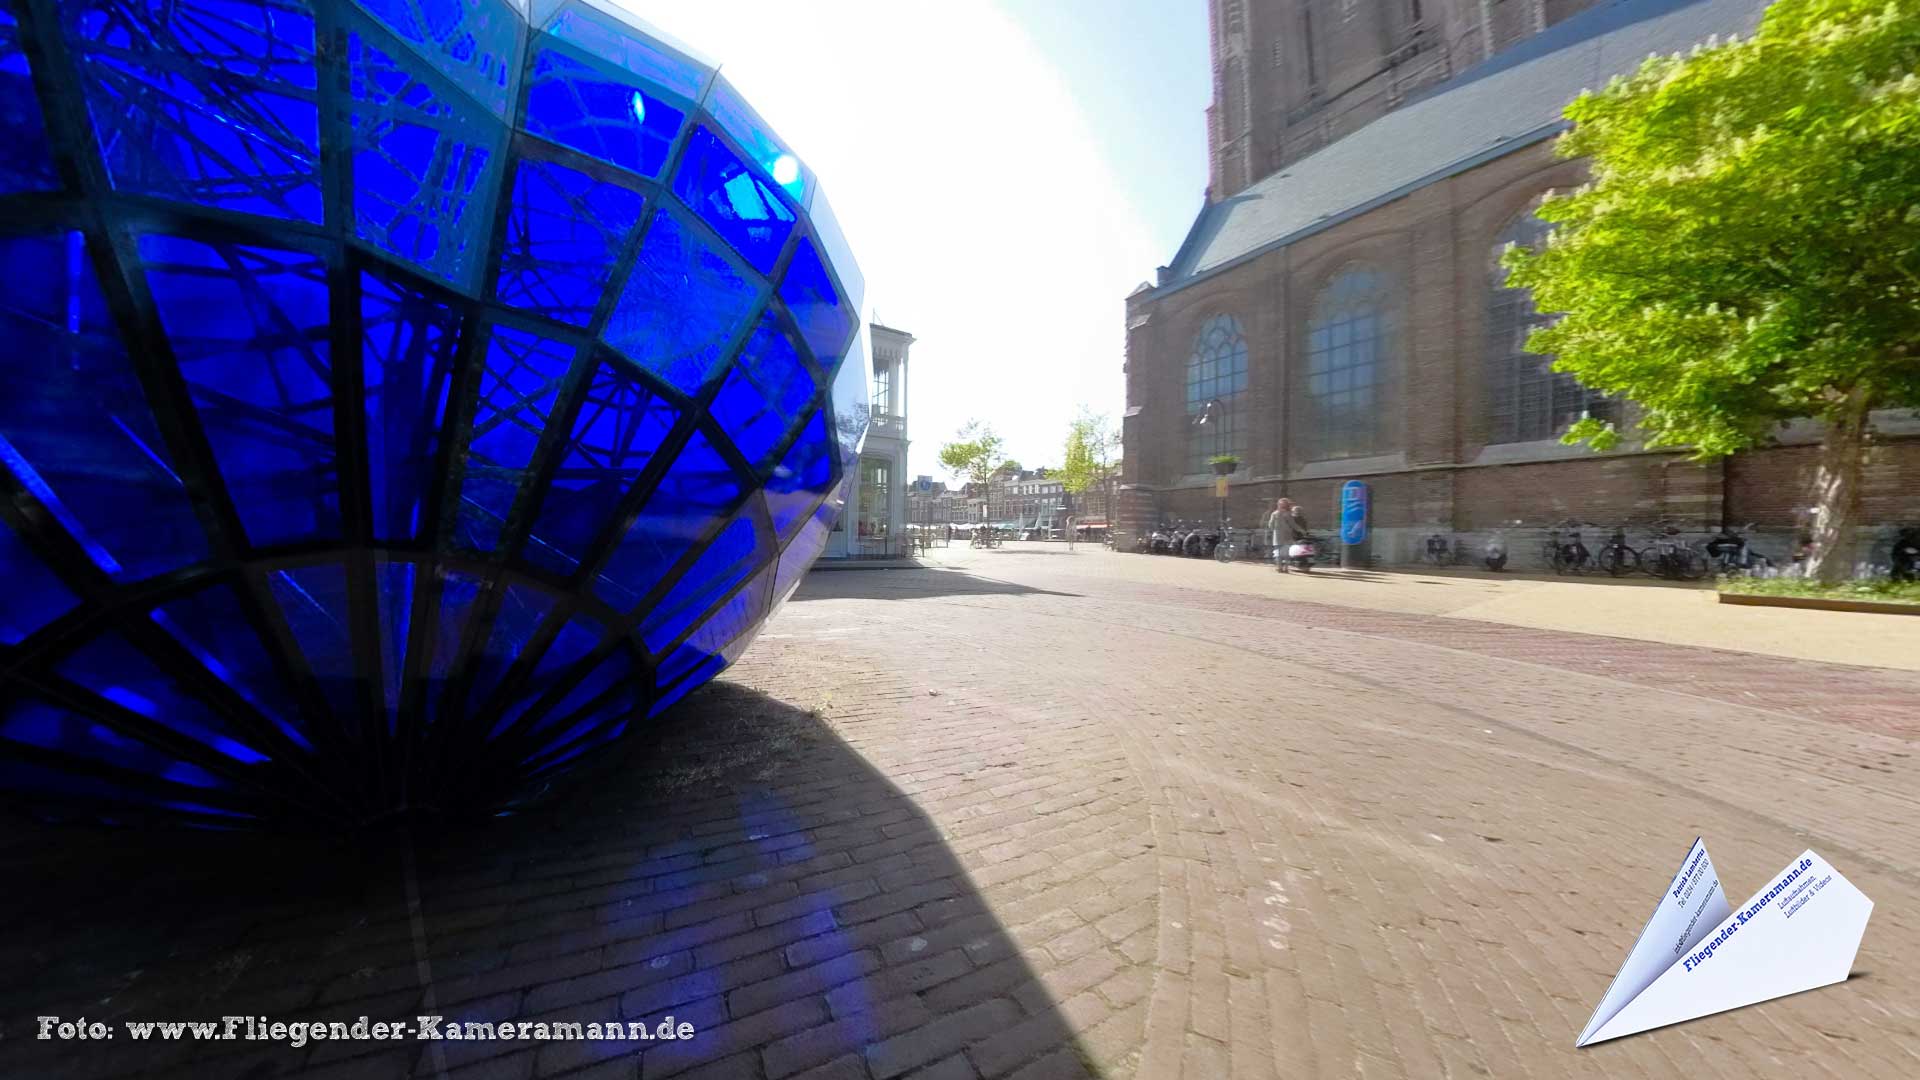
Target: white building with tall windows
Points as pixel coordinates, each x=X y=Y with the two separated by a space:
x=873 y=525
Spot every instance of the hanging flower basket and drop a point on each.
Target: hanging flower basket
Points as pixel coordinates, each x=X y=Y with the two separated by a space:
x=1224 y=464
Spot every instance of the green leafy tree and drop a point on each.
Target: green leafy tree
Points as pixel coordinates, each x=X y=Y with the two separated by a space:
x=1747 y=251
x=1089 y=454
x=974 y=454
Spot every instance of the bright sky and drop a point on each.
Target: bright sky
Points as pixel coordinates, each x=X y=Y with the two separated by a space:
x=1005 y=170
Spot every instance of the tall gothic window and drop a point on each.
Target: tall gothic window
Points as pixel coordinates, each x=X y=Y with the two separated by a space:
x=1526 y=399
x=1347 y=367
x=1216 y=384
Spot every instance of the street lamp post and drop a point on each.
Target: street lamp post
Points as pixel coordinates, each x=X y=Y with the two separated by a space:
x=1208 y=413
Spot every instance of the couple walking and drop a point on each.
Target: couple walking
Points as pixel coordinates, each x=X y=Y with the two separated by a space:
x=1285 y=526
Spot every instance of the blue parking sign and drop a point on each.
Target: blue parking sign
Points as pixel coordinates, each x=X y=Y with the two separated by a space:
x=1355 y=496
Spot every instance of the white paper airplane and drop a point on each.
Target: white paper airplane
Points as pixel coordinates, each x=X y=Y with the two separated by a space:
x=1697 y=956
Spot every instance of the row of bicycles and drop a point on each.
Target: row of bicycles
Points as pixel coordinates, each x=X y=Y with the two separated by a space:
x=1663 y=553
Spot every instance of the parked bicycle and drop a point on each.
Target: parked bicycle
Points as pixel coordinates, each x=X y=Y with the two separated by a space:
x=1563 y=549
x=1670 y=557
x=1730 y=553
x=1615 y=557
x=1441 y=551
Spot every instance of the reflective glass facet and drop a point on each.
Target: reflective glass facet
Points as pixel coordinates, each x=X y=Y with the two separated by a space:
x=33 y=597
x=25 y=162
x=809 y=294
x=75 y=427
x=400 y=398
x=315 y=605
x=621 y=121
x=475 y=43
x=249 y=329
x=426 y=163
x=696 y=490
x=407 y=357
x=213 y=626
x=795 y=485
x=733 y=200
x=112 y=668
x=682 y=305
x=727 y=560
x=564 y=231
x=211 y=102
x=520 y=379
x=619 y=426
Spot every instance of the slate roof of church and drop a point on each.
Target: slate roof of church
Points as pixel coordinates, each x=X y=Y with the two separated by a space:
x=1510 y=101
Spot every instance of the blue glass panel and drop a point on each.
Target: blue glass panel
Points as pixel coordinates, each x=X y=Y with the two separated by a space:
x=74 y=422
x=426 y=163
x=212 y=626
x=809 y=542
x=393 y=590
x=313 y=599
x=618 y=706
x=564 y=231
x=833 y=247
x=765 y=394
x=809 y=294
x=650 y=55
x=619 y=120
x=114 y=669
x=615 y=667
x=732 y=199
x=801 y=478
x=249 y=328
x=520 y=613
x=519 y=379
x=410 y=340
x=203 y=101
x=32 y=722
x=620 y=425
x=476 y=43
x=33 y=596
x=732 y=619
x=738 y=119
x=25 y=162
x=682 y=305
x=850 y=387
x=457 y=594
x=37 y=779
x=576 y=639
x=700 y=677
x=735 y=553
x=697 y=489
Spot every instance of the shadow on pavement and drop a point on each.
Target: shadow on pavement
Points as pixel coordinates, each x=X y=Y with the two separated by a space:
x=740 y=868
x=907 y=584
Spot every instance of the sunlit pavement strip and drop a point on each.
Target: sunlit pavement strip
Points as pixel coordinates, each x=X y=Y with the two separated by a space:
x=1035 y=819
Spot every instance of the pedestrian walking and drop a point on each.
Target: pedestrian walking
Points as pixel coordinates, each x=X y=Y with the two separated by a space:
x=1284 y=526
x=1073 y=528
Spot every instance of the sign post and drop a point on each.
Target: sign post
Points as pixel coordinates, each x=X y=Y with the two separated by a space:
x=1356 y=505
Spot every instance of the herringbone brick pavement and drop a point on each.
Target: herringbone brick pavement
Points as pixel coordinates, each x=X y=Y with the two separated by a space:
x=1032 y=823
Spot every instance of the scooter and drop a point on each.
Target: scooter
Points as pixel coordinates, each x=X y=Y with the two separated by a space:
x=1161 y=543
x=1301 y=553
x=1906 y=555
x=1494 y=555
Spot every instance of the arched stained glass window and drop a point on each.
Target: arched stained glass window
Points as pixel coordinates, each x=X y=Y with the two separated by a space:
x=1347 y=367
x=1526 y=399
x=1216 y=383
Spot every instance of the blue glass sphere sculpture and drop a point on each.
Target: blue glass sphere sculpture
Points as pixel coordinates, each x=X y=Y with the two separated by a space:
x=403 y=399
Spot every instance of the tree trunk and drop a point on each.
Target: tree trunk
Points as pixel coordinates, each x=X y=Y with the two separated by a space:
x=1836 y=505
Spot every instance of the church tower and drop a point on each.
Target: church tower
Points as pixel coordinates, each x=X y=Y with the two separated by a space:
x=1290 y=76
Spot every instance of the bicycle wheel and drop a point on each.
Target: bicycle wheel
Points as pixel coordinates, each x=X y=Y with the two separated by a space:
x=1691 y=564
x=1619 y=561
x=1225 y=552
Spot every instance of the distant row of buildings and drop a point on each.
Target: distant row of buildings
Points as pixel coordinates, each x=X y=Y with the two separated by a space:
x=1026 y=499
